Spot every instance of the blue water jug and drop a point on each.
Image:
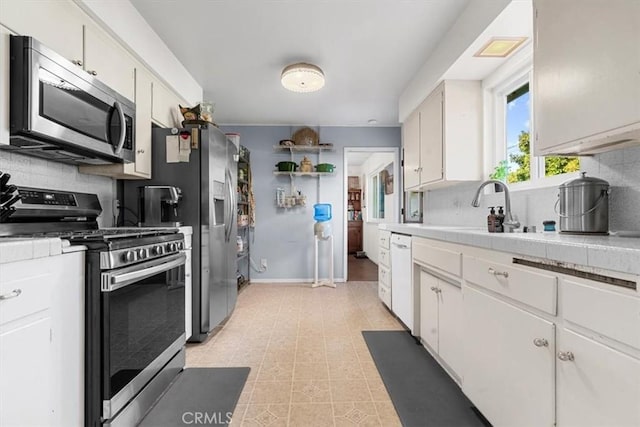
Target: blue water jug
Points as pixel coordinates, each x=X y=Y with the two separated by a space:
x=322 y=211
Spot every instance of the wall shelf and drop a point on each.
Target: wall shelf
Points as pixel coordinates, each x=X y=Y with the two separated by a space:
x=243 y=207
x=303 y=148
x=303 y=173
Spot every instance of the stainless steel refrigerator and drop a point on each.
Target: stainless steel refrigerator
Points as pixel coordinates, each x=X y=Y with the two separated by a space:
x=208 y=182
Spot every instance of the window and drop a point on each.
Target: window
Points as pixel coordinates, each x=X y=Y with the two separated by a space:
x=514 y=147
x=517 y=125
x=379 y=182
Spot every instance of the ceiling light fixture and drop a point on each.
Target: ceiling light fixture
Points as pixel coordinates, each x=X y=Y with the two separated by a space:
x=499 y=47
x=302 y=77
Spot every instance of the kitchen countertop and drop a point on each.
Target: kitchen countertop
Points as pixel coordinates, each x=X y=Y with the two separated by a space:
x=614 y=253
x=13 y=249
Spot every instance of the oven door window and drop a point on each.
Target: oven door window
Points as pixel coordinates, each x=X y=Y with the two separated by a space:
x=140 y=321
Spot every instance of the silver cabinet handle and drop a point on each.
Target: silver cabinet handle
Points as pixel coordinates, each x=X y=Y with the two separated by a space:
x=498 y=273
x=433 y=288
x=77 y=62
x=92 y=72
x=541 y=342
x=566 y=356
x=13 y=294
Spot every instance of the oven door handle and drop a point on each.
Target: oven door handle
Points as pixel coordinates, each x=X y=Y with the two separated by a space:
x=117 y=281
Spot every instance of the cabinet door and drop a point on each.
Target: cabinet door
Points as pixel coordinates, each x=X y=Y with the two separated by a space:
x=143 y=122
x=111 y=64
x=429 y=310
x=411 y=147
x=509 y=379
x=164 y=106
x=600 y=387
x=450 y=325
x=575 y=96
x=4 y=85
x=55 y=23
x=431 y=142
x=188 y=294
x=25 y=374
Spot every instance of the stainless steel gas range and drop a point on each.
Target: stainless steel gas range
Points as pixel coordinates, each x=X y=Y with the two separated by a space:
x=134 y=296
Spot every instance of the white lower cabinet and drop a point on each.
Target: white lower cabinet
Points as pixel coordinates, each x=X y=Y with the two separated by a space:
x=25 y=374
x=509 y=362
x=42 y=341
x=596 y=385
x=441 y=319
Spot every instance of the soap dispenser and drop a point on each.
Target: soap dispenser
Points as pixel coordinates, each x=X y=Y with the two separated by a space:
x=491 y=220
x=500 y=220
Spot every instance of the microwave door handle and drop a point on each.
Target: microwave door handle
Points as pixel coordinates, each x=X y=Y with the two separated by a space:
x=123 y=128
x=112 y=282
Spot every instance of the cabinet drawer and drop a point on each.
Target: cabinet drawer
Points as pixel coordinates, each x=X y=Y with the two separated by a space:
x=385 y=257
x=603 y=311
x=384 y=275
x=384 y=293
x=524 y=285
x=33 y=293
x=443 y=259
x=385 y=238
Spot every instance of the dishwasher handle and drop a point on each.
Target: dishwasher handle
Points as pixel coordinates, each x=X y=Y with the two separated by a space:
x=400 y=245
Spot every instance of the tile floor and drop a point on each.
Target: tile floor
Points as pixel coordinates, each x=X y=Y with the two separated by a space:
x=310 y=365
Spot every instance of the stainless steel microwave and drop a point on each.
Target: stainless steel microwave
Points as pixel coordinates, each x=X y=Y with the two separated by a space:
x=60 y=112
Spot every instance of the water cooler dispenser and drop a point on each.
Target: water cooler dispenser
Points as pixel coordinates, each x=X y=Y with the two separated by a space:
x=322 y=233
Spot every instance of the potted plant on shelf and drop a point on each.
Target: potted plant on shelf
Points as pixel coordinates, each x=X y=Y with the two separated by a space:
x=500 y=173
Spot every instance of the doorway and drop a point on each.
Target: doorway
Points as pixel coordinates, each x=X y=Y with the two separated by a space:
x=371 y=196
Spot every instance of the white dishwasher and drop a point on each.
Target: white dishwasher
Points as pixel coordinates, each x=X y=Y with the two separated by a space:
x=402 y=288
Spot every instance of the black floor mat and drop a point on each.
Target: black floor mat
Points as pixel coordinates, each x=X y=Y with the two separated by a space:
x=422 y=392
x=202 y=396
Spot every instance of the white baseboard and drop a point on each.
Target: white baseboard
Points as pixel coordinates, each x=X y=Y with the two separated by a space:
x=291 y=281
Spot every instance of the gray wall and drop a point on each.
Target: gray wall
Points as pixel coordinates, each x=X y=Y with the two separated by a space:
x=621 y=168
x=285 y=237
x=36 y=172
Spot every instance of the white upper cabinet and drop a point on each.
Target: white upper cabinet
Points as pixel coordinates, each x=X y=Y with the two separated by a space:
x=57 y=24
x=442 y=139
x=108 y=61
x=141 y=167
x=164 y=106
x=586 y=69
x=4 y=85
x=411 y=148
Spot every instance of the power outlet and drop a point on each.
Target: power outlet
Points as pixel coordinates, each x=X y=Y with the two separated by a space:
x=263 y=263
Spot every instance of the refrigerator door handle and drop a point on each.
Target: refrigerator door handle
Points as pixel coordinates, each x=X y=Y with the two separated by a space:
x=231 y=208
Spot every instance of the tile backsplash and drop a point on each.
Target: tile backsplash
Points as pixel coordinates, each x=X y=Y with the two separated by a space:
x=621 y=168
x=30 y=171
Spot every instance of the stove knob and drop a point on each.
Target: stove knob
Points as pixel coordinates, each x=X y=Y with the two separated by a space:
x=172 y=247
x=158 y=250
x=142 y=253
x=180 y=245
x=129 y=256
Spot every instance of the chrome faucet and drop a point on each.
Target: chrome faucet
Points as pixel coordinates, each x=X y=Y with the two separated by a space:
x=509 y=222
